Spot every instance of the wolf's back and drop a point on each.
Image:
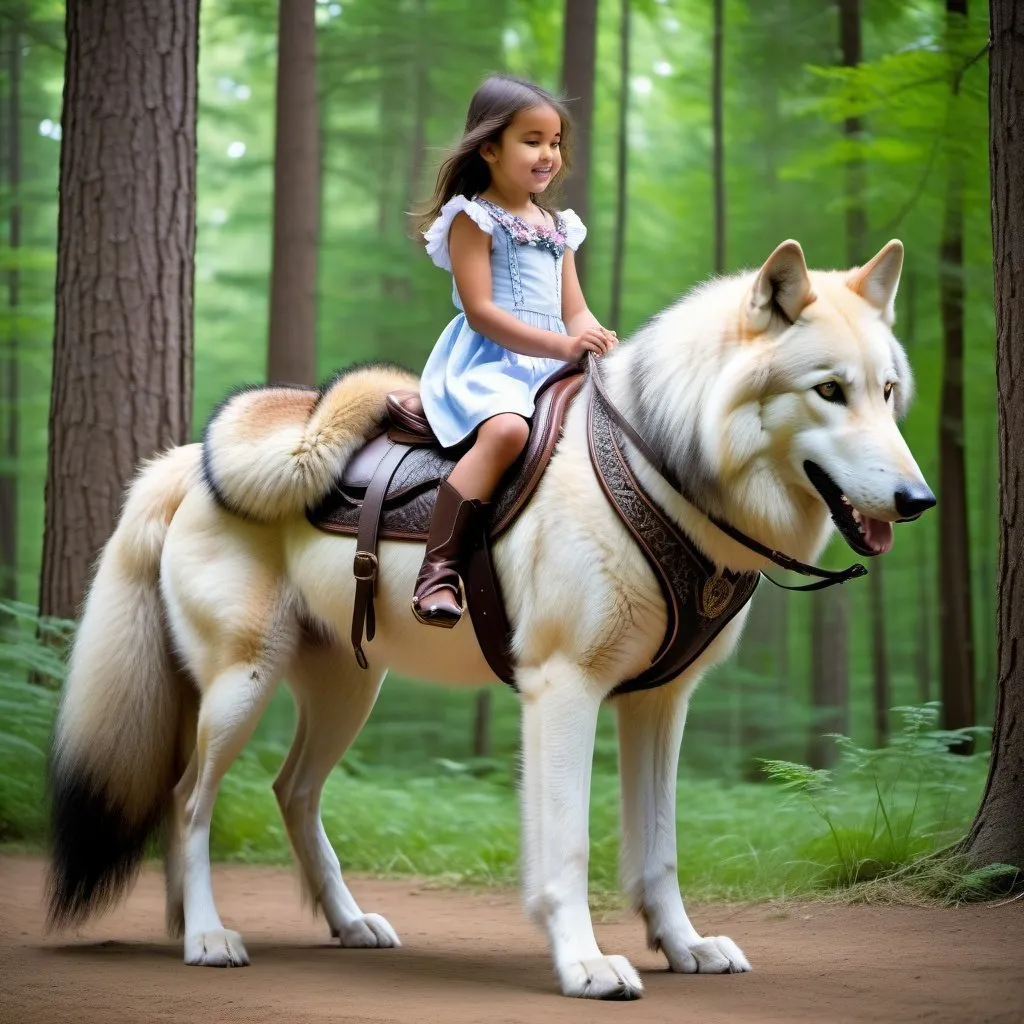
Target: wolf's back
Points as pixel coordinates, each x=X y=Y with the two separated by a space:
x=114 y=756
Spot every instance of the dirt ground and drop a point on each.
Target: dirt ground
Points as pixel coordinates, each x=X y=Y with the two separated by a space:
x=470 y=957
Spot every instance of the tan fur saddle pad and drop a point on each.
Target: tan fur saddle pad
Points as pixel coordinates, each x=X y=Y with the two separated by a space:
x=410 y=493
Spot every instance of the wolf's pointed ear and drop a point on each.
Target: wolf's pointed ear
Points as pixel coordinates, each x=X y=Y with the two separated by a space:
x=781 y=283
x=876 y=282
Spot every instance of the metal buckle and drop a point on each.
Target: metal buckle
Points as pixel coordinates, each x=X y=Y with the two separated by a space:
x=366 y=561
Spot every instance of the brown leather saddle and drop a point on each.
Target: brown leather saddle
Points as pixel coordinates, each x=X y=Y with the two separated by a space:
x=389 y=487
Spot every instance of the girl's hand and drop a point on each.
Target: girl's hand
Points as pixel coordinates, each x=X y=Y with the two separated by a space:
x=598 y=340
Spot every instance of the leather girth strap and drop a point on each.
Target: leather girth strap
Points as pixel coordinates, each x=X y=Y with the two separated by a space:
x=365 y=565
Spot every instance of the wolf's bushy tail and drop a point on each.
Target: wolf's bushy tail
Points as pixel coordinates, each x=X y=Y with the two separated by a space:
x=272 y=452
x=115 y=749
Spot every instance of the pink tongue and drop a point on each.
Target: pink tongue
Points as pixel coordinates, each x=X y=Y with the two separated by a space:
x=878 y=534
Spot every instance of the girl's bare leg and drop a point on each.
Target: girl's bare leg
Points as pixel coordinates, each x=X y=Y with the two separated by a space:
x=499 y=442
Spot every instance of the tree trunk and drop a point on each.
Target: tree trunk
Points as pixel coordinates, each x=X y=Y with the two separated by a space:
x=997 y=835
x=989 y=514
x=923 y=637
x=122 y=354
x=393 y=140
x=759 y=660
x=717 y=135
x=830 y=685
x=291 y=353
x=579 y=52
x=421 y=113
x=855 y=174
x=830 y=682
x=622 y=169
x=9 y=454
x=955 y=613
x=923 y=654
x=482 y=724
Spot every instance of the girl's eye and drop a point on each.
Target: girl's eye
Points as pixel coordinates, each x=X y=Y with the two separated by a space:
x=555 y=145
x=888 y=391
x=831 y=392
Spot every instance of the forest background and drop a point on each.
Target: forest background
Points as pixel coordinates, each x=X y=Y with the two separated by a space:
x=740 y=124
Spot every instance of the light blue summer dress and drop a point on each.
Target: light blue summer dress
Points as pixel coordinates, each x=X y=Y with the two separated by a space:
x=469 y=378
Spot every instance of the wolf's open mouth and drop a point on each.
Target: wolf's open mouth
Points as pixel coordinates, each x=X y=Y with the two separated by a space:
x=867 y=536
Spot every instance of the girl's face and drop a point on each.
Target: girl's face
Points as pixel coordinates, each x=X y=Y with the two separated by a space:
x=527 y=156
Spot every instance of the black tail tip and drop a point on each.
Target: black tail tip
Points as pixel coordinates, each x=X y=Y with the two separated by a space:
x=96 y=848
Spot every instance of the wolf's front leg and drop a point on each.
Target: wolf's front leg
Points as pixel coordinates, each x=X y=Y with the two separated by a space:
x=650 y=733
x=560 y=705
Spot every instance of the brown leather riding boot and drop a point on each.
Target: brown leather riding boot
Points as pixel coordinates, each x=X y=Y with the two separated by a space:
x=436 y=599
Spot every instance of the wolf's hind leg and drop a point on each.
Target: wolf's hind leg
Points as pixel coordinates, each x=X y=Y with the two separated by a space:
x=334 y=698
x=230 y=708
x=650 y=733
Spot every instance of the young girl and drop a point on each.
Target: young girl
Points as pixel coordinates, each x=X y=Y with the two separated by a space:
x=523 y=315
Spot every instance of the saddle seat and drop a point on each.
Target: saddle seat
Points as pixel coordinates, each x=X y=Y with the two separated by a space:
x=409 y=495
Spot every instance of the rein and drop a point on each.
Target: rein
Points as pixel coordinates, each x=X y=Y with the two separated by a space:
x=826 y=577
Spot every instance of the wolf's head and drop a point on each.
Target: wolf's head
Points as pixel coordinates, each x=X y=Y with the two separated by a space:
x=788 y=386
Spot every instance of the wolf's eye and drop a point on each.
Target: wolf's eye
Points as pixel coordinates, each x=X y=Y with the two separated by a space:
x=831 y=392
x=888 y=392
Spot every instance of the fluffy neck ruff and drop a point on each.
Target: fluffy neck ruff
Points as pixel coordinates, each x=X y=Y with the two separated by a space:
x=695 y=400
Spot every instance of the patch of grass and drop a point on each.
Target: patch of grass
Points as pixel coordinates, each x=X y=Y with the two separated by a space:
x=406 y=803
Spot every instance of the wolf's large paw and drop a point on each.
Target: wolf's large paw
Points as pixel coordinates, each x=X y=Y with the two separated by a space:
x=605 y=977
x=222 y=948
x=371 y=931
x=715 y=955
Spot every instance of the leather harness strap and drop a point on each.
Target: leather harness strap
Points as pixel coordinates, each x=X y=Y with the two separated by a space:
x=365 y=566
x=487 y=608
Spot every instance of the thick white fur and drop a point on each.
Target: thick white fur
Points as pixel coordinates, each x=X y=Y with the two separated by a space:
x=272 y=452
x=722 y=375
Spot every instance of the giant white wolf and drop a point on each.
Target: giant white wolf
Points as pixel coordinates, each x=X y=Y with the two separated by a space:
x=774 y=393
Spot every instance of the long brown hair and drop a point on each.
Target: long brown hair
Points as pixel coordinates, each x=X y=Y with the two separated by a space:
x=491 y=110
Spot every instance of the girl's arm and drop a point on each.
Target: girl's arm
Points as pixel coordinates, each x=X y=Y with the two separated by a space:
x=469 y=249
x=575 y=314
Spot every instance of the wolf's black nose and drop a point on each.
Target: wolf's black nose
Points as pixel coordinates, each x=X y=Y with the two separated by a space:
x=912 y=501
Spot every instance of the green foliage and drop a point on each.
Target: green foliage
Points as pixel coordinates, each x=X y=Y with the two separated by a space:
x=919 y=789
x=26 y=714
x=409 y=801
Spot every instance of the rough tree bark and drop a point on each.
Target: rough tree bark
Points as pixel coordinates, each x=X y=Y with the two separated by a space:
x=122 y=354
x=955 y=613
x=856 y=237
x=997 y=835
x=579 y=54
x=717 y=134
x=621 y=170
x=925 y=604
x=291 y=352
x=830 y=613
x=11 y=39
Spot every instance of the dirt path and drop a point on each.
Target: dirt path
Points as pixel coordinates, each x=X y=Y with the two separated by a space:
x=472 y=957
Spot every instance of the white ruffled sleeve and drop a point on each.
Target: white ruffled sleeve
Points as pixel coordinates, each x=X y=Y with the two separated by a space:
x=437 y=234
x=575 y=229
